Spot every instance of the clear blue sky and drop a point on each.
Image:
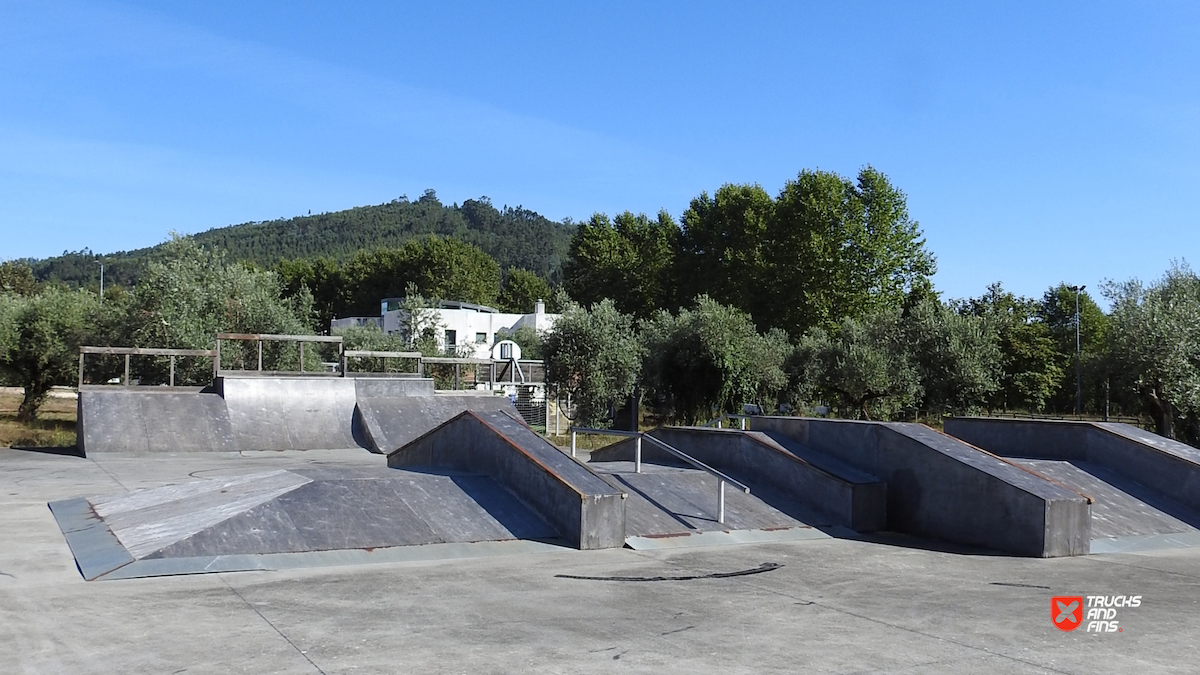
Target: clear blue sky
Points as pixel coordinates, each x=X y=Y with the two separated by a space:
x=1037 y=142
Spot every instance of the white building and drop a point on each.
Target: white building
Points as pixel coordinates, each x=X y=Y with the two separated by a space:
x=470 y=329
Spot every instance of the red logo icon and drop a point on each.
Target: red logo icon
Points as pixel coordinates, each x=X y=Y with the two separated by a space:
x=1066 y=611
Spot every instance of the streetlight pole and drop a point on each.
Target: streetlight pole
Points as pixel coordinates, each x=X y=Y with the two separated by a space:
x=1078 y=355
x=101 y=264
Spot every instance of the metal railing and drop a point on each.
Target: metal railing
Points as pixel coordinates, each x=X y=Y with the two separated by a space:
x=127 y=352
x=716 y=422
x=348 y=354
x=722 y=478
x=260 y=338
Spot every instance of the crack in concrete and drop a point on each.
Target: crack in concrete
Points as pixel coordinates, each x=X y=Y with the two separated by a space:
x=275 y=628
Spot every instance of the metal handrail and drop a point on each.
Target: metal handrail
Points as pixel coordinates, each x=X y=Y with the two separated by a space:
x=722 y=478
x=146 y=351
x=725 y=416
x=270 y=337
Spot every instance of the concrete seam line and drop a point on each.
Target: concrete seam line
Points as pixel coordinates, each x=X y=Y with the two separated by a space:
x=268 y=622
x=939 y=638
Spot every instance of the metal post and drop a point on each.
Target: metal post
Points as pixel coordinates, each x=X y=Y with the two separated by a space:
x=172 y=370
x=81 y=369
x=420 y=367
x=456 y=376
x=302 y=357
x=126 y=370
x=260 y=356
x=217 y=360
x=1078 y=356
x=557 y=401
x=720 y=501
x=637 y=455
x=743 y=424
x=572 y=442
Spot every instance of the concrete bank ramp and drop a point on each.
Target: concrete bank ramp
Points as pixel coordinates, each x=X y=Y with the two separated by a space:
x=583 y=508
x=296 y=518
x=1146 y=487
x=391 y=422
x=152 y=419
x=942 y=488
x=816 y=489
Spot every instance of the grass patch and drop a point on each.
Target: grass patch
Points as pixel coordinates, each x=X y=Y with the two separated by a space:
x=54 y=428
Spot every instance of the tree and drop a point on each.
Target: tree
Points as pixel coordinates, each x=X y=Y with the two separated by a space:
x=839 y=249
x=440 y=268
x=1057 y=312
x=1031 y=362
x=722 y=251
x=191 y=295
x=593 y=355
x=521 y=290
x=627 y=259
x=527 y=339
x=862 y=366
x=16 y=277
x=1155 y=343
x=957 y=358
x=323 y=278
x=420 y=322
x=40 y=336
x=711 y=358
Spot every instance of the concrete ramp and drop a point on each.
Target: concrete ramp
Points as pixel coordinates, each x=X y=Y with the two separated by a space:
x=1146 y=487
x=583 y=508
x=293 y=518
x=391 y=422
x=152 y=419
x=942 y=488
x=827 y=491
x=291 y=413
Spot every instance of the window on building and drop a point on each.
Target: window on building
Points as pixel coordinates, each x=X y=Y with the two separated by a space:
x=480 y=338
x=451 y=338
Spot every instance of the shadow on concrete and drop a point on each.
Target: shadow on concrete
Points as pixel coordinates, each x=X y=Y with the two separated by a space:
x=627 y=485
x=900 y=540
x=506 y=508
x=64 y=450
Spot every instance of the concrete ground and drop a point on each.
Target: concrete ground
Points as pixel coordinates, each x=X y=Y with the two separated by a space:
x=834 y=605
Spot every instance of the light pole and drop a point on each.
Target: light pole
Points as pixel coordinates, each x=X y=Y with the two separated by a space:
x=1078 y=355
x=101 y=264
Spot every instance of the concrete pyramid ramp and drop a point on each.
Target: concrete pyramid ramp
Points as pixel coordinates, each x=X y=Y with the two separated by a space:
x=292 y=518
x=585 y=509
x=392 y=421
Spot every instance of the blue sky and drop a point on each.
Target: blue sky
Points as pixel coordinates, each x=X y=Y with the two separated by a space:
x=1037 y=142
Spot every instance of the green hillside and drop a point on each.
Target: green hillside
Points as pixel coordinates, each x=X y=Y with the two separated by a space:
x=515 y=237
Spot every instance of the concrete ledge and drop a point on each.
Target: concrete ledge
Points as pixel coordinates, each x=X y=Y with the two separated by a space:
x=1168 y=467
x=587 y=511
x=940 y=487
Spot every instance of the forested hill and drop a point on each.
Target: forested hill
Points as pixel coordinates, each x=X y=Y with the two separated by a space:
x=515 y=237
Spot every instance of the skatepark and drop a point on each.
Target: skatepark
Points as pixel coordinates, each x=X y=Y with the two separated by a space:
x=318 y=523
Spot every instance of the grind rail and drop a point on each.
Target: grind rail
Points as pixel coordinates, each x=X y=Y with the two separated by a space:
x=639 y=436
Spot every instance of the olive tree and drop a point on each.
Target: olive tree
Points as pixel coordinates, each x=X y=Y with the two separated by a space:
x=40 y=336
x=710 y=358
x=593 y=354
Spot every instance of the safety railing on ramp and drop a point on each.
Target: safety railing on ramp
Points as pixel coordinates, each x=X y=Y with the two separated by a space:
x=638 y=436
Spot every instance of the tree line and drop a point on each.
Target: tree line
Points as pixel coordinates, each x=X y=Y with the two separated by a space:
x=816 y=298
x=514 y=237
